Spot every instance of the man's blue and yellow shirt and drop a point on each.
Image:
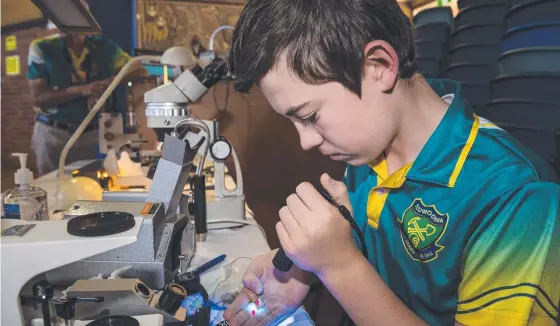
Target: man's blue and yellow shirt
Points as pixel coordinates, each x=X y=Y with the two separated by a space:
x=469 y=231
x=51 y=60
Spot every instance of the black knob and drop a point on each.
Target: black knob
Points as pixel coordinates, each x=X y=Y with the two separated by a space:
x=66 y=310
x=43 y=290
x=171 y=298
x=199 y=204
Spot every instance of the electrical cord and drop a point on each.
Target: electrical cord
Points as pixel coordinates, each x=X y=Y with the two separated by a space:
x=221 y=111
x=347 y=215
x=219 y=29
x=241 y=223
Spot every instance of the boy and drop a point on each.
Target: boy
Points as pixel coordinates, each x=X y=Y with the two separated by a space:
x=460 y=220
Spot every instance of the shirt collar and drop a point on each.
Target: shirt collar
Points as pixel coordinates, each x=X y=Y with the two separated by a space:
x=442 y=158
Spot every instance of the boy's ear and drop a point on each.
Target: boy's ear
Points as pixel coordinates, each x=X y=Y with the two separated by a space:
x=381 y=64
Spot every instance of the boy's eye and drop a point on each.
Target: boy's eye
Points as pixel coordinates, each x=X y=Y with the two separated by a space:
x=310 y=119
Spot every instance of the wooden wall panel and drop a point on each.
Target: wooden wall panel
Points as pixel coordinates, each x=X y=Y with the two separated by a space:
x=19 y=11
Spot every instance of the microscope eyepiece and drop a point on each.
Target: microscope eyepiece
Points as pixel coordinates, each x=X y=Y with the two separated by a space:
x=213 y=73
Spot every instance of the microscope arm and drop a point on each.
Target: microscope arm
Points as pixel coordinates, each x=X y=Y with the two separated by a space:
x=221 y=190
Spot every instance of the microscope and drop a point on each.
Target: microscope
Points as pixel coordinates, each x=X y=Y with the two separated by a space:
x=167 y=111
x=167 y=108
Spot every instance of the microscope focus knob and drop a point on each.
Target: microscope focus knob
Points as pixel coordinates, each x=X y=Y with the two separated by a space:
x=43 y=290
x=109 y=136
x=220 y=149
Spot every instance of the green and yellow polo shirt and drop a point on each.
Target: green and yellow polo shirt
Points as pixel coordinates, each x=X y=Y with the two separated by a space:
x=469 y=231
x=51 y=60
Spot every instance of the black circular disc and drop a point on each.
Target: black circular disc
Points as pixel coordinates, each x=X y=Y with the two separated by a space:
x=100 y=224
x=115 y=321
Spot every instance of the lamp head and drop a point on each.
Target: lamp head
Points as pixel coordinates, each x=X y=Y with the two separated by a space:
x=70 y=16
x=178 y=56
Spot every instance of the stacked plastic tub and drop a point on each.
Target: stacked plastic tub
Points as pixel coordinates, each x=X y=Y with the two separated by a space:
x=432 y=27
x=475 y=47
x=525 y=97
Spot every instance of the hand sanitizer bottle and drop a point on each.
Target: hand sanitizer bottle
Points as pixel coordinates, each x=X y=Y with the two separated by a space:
x=25 y=201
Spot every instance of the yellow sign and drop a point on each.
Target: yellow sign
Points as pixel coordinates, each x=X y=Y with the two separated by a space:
x=12 y=65
x=11 y=43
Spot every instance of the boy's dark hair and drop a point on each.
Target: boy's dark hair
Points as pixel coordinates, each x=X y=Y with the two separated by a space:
x=323 y=39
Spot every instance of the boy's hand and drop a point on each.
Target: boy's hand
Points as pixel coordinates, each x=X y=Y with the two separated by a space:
x=282 y=293
x=313 y=233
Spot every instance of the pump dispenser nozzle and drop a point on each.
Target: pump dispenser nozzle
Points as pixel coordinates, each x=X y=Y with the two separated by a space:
x=23 y=176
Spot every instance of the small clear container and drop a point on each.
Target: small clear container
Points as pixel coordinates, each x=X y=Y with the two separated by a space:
x=25 y=202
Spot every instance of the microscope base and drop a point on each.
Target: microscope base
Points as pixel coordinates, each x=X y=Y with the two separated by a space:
x=225 y=209
x=153 y=258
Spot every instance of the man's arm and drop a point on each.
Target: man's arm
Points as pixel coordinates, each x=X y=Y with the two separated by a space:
x=45 y=97
x=137 y=73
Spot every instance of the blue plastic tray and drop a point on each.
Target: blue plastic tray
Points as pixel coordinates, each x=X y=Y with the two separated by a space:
x=537 y=59
x=465 y=3
x=476 y=94
x=542 y=34
x=430 y=67
x=538 y=87
x=430 y=49
x=433 y=32
x=477 y=33
x=525 y=112
x=474 y=53
x=471 y=73
x=488 y=13
x=434 y=15
x=532 y=12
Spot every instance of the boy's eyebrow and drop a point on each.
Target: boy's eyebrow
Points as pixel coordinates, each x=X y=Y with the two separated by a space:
x=294 y=109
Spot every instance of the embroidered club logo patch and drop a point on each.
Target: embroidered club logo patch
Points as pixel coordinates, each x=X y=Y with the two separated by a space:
x=421 y=228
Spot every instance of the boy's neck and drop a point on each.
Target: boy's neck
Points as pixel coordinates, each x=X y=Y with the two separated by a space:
x=420 y=111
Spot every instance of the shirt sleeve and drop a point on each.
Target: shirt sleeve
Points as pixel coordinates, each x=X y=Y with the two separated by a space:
x=36 y=62
x=511 y=263
x=118 y=55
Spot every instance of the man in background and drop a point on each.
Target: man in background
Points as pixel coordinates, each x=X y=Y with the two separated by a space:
x=66 y=74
